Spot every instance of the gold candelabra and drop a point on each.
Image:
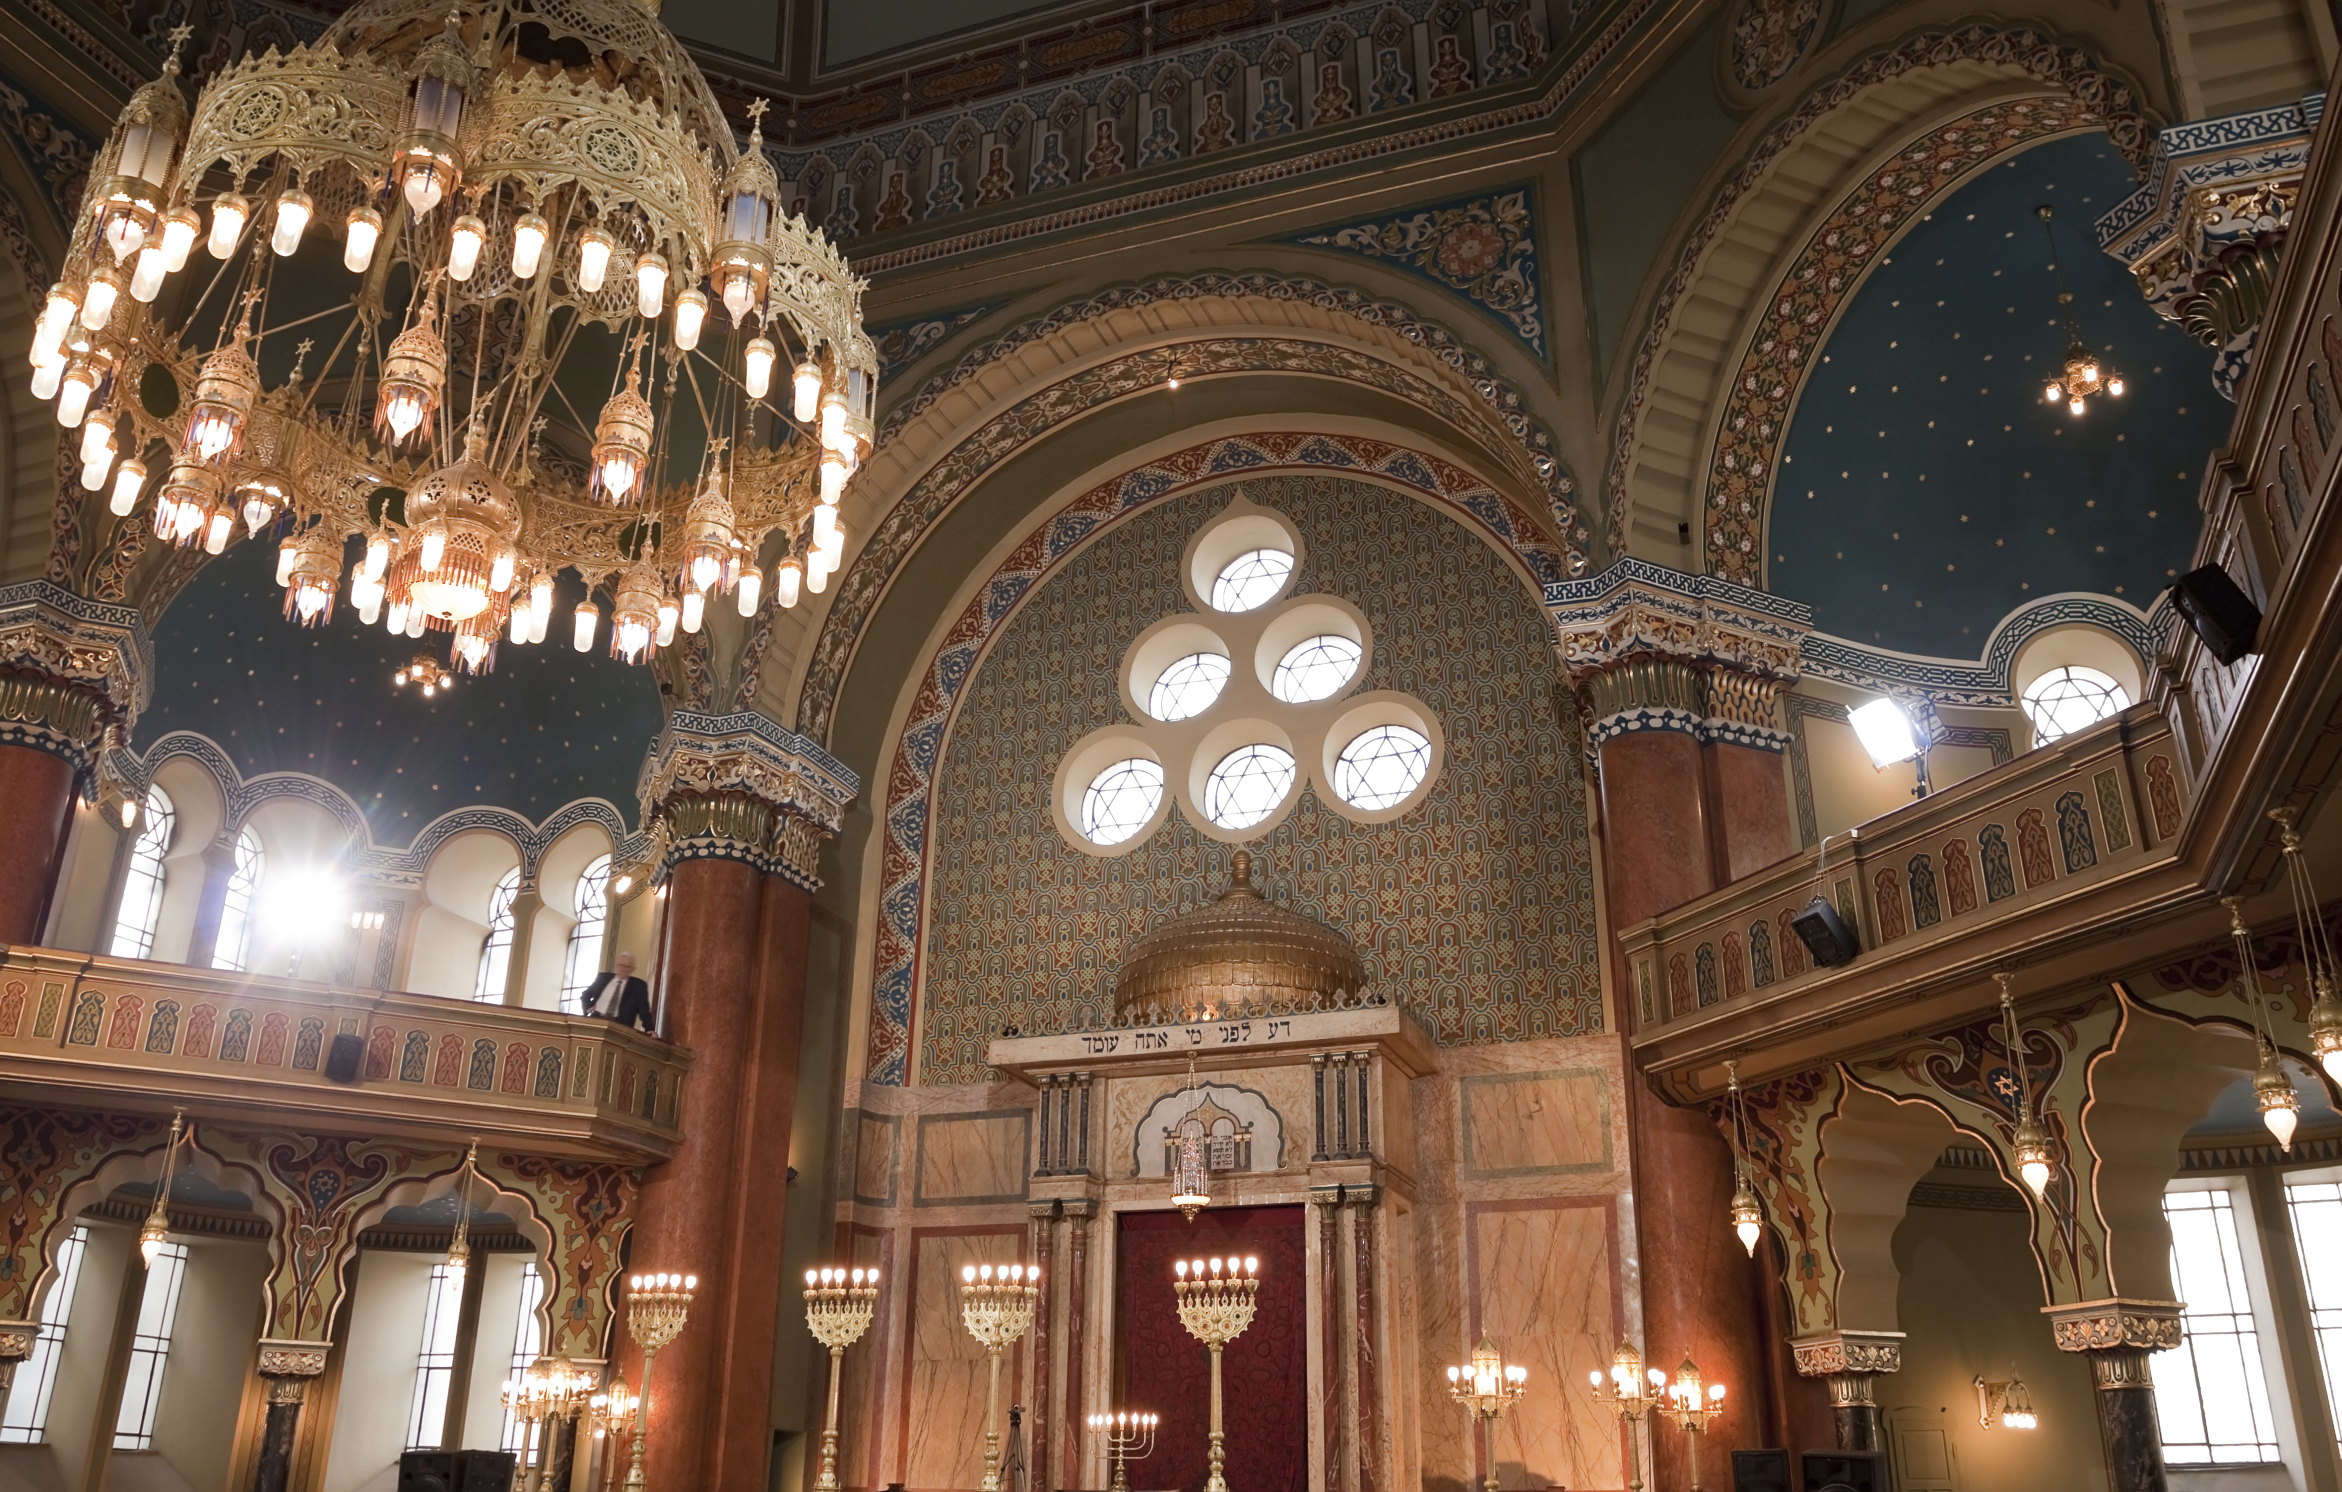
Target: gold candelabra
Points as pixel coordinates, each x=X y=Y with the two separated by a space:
x=838 y=1306
x=656 y=1305
x=1625 y=1394
x=542 y=1399
x=1487 y=1386
x=1128 y=1437
x=1216 y=1309
x=997 y=1303
x=613 y=1415
x=1692 y=1408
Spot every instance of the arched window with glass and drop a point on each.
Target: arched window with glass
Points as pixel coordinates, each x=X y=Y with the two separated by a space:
x=141 y=906
x=496 y=948
x=233 y=949
x=585 y=937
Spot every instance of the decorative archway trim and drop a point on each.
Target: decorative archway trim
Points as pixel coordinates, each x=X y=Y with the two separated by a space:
x=2096 y=96
x=918 y=753
x=892 y=541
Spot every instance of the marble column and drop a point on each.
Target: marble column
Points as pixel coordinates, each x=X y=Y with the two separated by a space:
x=287 y=1366
x=1077 y=1284
x=1044 y=1233
x=1361 y=1200
x=2118 y=1336
x=744 y=806
x=1328 y=1202
x=71 y=682
x=1851 y=1362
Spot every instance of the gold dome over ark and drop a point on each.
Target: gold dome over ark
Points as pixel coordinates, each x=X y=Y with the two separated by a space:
x=1237 y=950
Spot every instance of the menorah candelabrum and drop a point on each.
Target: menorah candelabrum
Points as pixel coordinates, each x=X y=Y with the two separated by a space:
x=656 y=1305
x=1691 y=1409
x=1488 y=1386
x=1625 y=1395
x=997 y=1304
x=544 y=1400
x=1215 y=1310
x=1128 y=1437
x=838 y=1304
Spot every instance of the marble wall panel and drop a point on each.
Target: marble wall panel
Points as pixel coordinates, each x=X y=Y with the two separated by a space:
x=864 y=1368
x=970 y=1159
x=1545 y=1284
x=943 y=1384
x=1536 y=1123
x=874 y=1159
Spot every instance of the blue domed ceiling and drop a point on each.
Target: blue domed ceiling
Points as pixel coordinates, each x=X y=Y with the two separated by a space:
x=549 y=726
x=1927 y=488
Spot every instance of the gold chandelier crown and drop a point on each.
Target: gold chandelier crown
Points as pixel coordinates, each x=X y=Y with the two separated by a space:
x=1238 y=949
x=533 y=206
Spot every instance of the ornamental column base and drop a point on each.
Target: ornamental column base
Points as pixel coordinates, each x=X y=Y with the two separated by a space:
x=1851 y=1362
x=2118 y=1336
x=287 y=1365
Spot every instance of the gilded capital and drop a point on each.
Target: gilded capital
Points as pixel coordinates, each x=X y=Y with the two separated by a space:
x=291 y=1361
x=17 y=1339
x=1657 y=649
x=2115 y=1324
x=740 y=787
x=1842 y=1353
x=71 y=671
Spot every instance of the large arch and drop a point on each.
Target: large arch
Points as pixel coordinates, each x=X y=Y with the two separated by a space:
x=1761 y=277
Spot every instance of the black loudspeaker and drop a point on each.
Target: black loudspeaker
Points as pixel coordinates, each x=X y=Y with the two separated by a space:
x=1844 y=1471
x=2222 y=616
x=342 y=1059
x=1760 y=1471
x=485 y=1471
x=426 y=1471
x=1826 y=935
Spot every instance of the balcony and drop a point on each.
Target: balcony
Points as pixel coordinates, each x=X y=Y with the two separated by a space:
x=122 y=1033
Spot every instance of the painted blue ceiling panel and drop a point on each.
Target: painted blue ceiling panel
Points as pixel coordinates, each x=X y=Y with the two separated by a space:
x=549 y=726
x=1927 y=488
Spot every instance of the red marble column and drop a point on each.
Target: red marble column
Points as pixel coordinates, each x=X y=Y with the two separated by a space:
x=1329 y=1293
x=733 y=962
x=1700 y=1288
x=1077 y=1284
x=1655 y=845
x=1044 y=1230
x=1369 y=1437
x=38 y=791
x=1747 y=795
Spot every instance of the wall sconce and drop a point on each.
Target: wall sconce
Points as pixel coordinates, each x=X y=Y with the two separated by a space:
x=2007 y=1403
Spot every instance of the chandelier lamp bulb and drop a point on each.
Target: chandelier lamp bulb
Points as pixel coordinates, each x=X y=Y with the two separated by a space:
x=528 y=245
x=805 y=391
x=180 y=231
x=146 y=276
x=360 y=234
x=464 y=243
x=588 y=617
x=650 y=285
x=690 y=316
x=788 y=578
x=129 y=481
x=228 y=217
x=594 y=247
x=757 y=367
x=293 y=207
x=98 y=297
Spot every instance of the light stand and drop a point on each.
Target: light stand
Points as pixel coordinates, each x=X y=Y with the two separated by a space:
x=1627 y=1396
x=1128 y=1437
x=1692 y=1410
x=997 y=1305
x=1215 y=1312
x=1487 y=1387
x=656 y=1305
x=838 y=1305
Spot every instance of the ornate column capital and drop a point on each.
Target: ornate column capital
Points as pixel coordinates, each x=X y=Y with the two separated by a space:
x=71 y=671
x=1657 y=649
x=16 y=1341
x=2203 y=231
x=740 y=787
x=1838 y=1353
x=288 y=1364
x=2115 y=1324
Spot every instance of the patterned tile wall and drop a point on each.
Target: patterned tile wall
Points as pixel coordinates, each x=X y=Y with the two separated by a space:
x=1477 y=909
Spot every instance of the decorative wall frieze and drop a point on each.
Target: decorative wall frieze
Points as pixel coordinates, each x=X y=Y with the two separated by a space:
x=1848 y=1352
x=2203 y=232
x=1654 y=649
x=740 y=787
x=1483 y=249
x=71 y=671
x=2116 y=1322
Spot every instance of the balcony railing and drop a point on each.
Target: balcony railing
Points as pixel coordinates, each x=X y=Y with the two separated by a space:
x=84 y=1031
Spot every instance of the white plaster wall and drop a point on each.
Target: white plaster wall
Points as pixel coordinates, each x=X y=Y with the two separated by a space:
x=89 y=1334
x=492 y=1361
x=211 y=1356
x=378 y=1371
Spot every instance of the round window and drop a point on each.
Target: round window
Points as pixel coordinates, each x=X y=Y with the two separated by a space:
x=1188 y=686
x=1247 y=785
x=1316 y=669
x=1121 y=800
x=1381 y=767
x=1252 y=579
x=2065 y=700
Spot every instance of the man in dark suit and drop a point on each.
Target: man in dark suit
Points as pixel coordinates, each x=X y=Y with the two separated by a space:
x=618 y=996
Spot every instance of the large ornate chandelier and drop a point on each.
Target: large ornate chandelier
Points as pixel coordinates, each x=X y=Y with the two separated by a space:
x=508 y=225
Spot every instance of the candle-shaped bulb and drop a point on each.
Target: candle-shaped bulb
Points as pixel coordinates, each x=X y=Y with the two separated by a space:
x=968 y=1274
x=691 y=1282
x=1454 y=1373
x=1251 y=1264
x=1594 y=1378
x=810 y=1277
x=1215 y=1268
x=984 y=1272
x=1179 y=1267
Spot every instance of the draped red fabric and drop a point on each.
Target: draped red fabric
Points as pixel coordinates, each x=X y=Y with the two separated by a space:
x=1265 y=1372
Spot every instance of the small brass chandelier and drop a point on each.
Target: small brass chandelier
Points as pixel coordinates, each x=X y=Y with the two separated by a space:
x=426 y=671
x=498 y=221
x=157 y=1230
x=2273 y=1091
x=2029 y=1143
x=1748 y=1214
x=1191 y=1172
x=2317 y=949
x=2085 y=378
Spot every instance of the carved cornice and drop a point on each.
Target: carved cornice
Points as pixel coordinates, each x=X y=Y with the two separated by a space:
x=2115 y=1325
x=1636 y=610
x=71 y=669
x=1840 y=1353
x=740 y=787
x=291 y=1359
